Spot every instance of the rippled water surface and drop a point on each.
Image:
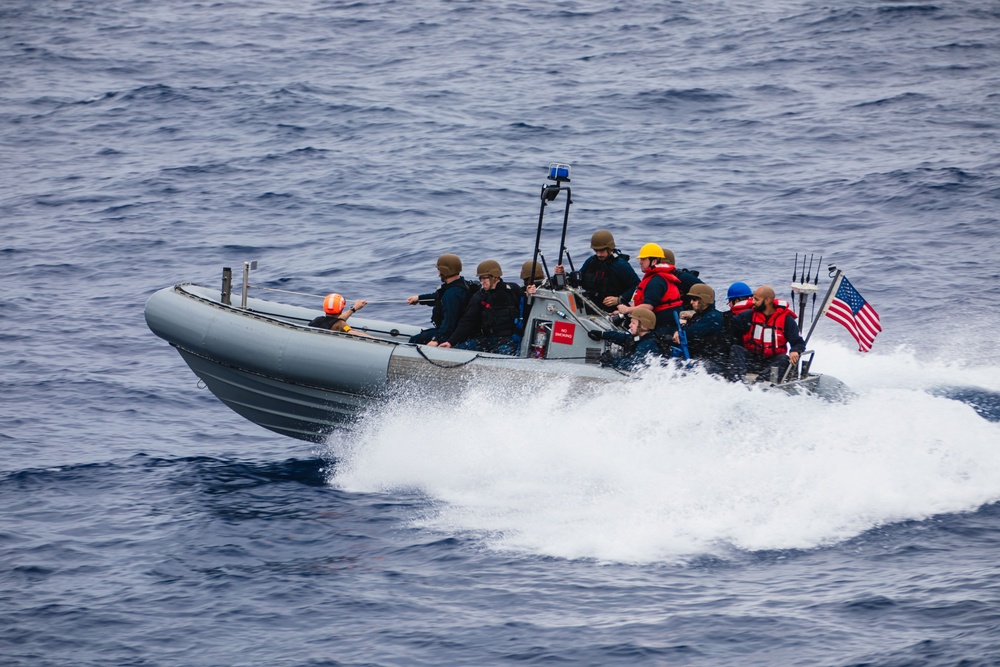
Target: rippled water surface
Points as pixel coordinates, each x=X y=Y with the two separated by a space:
x=345 y=145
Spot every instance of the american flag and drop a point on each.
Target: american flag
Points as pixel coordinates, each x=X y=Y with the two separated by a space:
x=850 y=309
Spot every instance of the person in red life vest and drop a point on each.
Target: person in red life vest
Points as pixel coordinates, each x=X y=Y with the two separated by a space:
x=740 y=298
x=658 y=291
x=770 y=338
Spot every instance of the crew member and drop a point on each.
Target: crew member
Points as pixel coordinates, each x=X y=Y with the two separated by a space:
x=531 y=285
x=740 y=298
x=687 y=277
x=658 y=291
x=706 y=337
x=607 y=277
x=448 y=301
x=335 y=318
x=489 y=323
x=767 y=332
x=640 y=343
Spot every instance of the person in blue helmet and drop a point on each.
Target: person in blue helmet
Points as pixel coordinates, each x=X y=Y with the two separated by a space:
x=740 y=298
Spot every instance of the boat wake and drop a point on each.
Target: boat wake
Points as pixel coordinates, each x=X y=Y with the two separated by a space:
x=670 y=467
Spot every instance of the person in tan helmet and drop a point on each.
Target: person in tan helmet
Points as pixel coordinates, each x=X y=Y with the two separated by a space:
x=706 y=336
x=640 y=344
x=490 y=321
x=448 y=301
x=606 y=277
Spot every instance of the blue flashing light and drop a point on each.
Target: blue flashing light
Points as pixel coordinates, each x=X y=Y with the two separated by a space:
x=558 y=172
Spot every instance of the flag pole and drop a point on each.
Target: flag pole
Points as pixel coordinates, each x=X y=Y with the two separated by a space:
x=826 y=302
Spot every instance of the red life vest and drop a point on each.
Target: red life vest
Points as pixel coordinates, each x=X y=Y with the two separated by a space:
x=766 y=335
x=738 y=308
x=672 y=299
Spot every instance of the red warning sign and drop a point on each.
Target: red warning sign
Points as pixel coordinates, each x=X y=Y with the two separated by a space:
x=562 y=332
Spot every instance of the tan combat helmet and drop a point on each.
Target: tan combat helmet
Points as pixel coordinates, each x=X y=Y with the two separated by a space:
x=489 y=268
x=449 y=265
x=703 y=292
x=602 y=240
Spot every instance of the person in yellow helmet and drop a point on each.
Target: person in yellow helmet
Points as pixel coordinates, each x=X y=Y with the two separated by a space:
x=658 y=291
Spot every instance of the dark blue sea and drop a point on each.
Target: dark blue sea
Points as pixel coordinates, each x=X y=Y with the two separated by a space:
x=344 y=146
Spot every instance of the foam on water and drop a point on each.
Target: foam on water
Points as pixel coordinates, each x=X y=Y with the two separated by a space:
x=668 y=467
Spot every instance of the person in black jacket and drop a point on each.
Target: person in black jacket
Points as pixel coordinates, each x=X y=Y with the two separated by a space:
x=688 y=277
x=606 y=277
x=449 y=301
x=490 y=321
x=706 y=337
x=640 y=345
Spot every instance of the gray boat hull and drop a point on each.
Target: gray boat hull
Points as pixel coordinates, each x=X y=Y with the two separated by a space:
x=268 y=366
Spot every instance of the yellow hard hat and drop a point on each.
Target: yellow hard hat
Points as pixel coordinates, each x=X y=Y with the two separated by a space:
x=651 y=250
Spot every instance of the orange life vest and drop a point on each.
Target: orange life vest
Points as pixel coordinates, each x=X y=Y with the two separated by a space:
x=672 y=299
x=766 y=335
x=742 y=306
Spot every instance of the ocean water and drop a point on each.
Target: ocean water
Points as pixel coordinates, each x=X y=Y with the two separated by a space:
x=345 y=145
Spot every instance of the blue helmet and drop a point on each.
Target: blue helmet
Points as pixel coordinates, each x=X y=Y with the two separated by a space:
x=739 y=291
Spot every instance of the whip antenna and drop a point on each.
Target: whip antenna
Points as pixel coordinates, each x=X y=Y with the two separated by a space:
x=795 y=278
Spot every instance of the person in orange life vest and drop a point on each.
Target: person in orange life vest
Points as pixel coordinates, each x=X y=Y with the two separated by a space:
x=770 y=338
x=659 y=290
x=335 y=317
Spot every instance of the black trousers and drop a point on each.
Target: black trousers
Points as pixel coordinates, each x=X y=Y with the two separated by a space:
x=743 y=361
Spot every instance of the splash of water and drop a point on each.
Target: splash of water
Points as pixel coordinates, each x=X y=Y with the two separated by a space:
x=671 y=466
